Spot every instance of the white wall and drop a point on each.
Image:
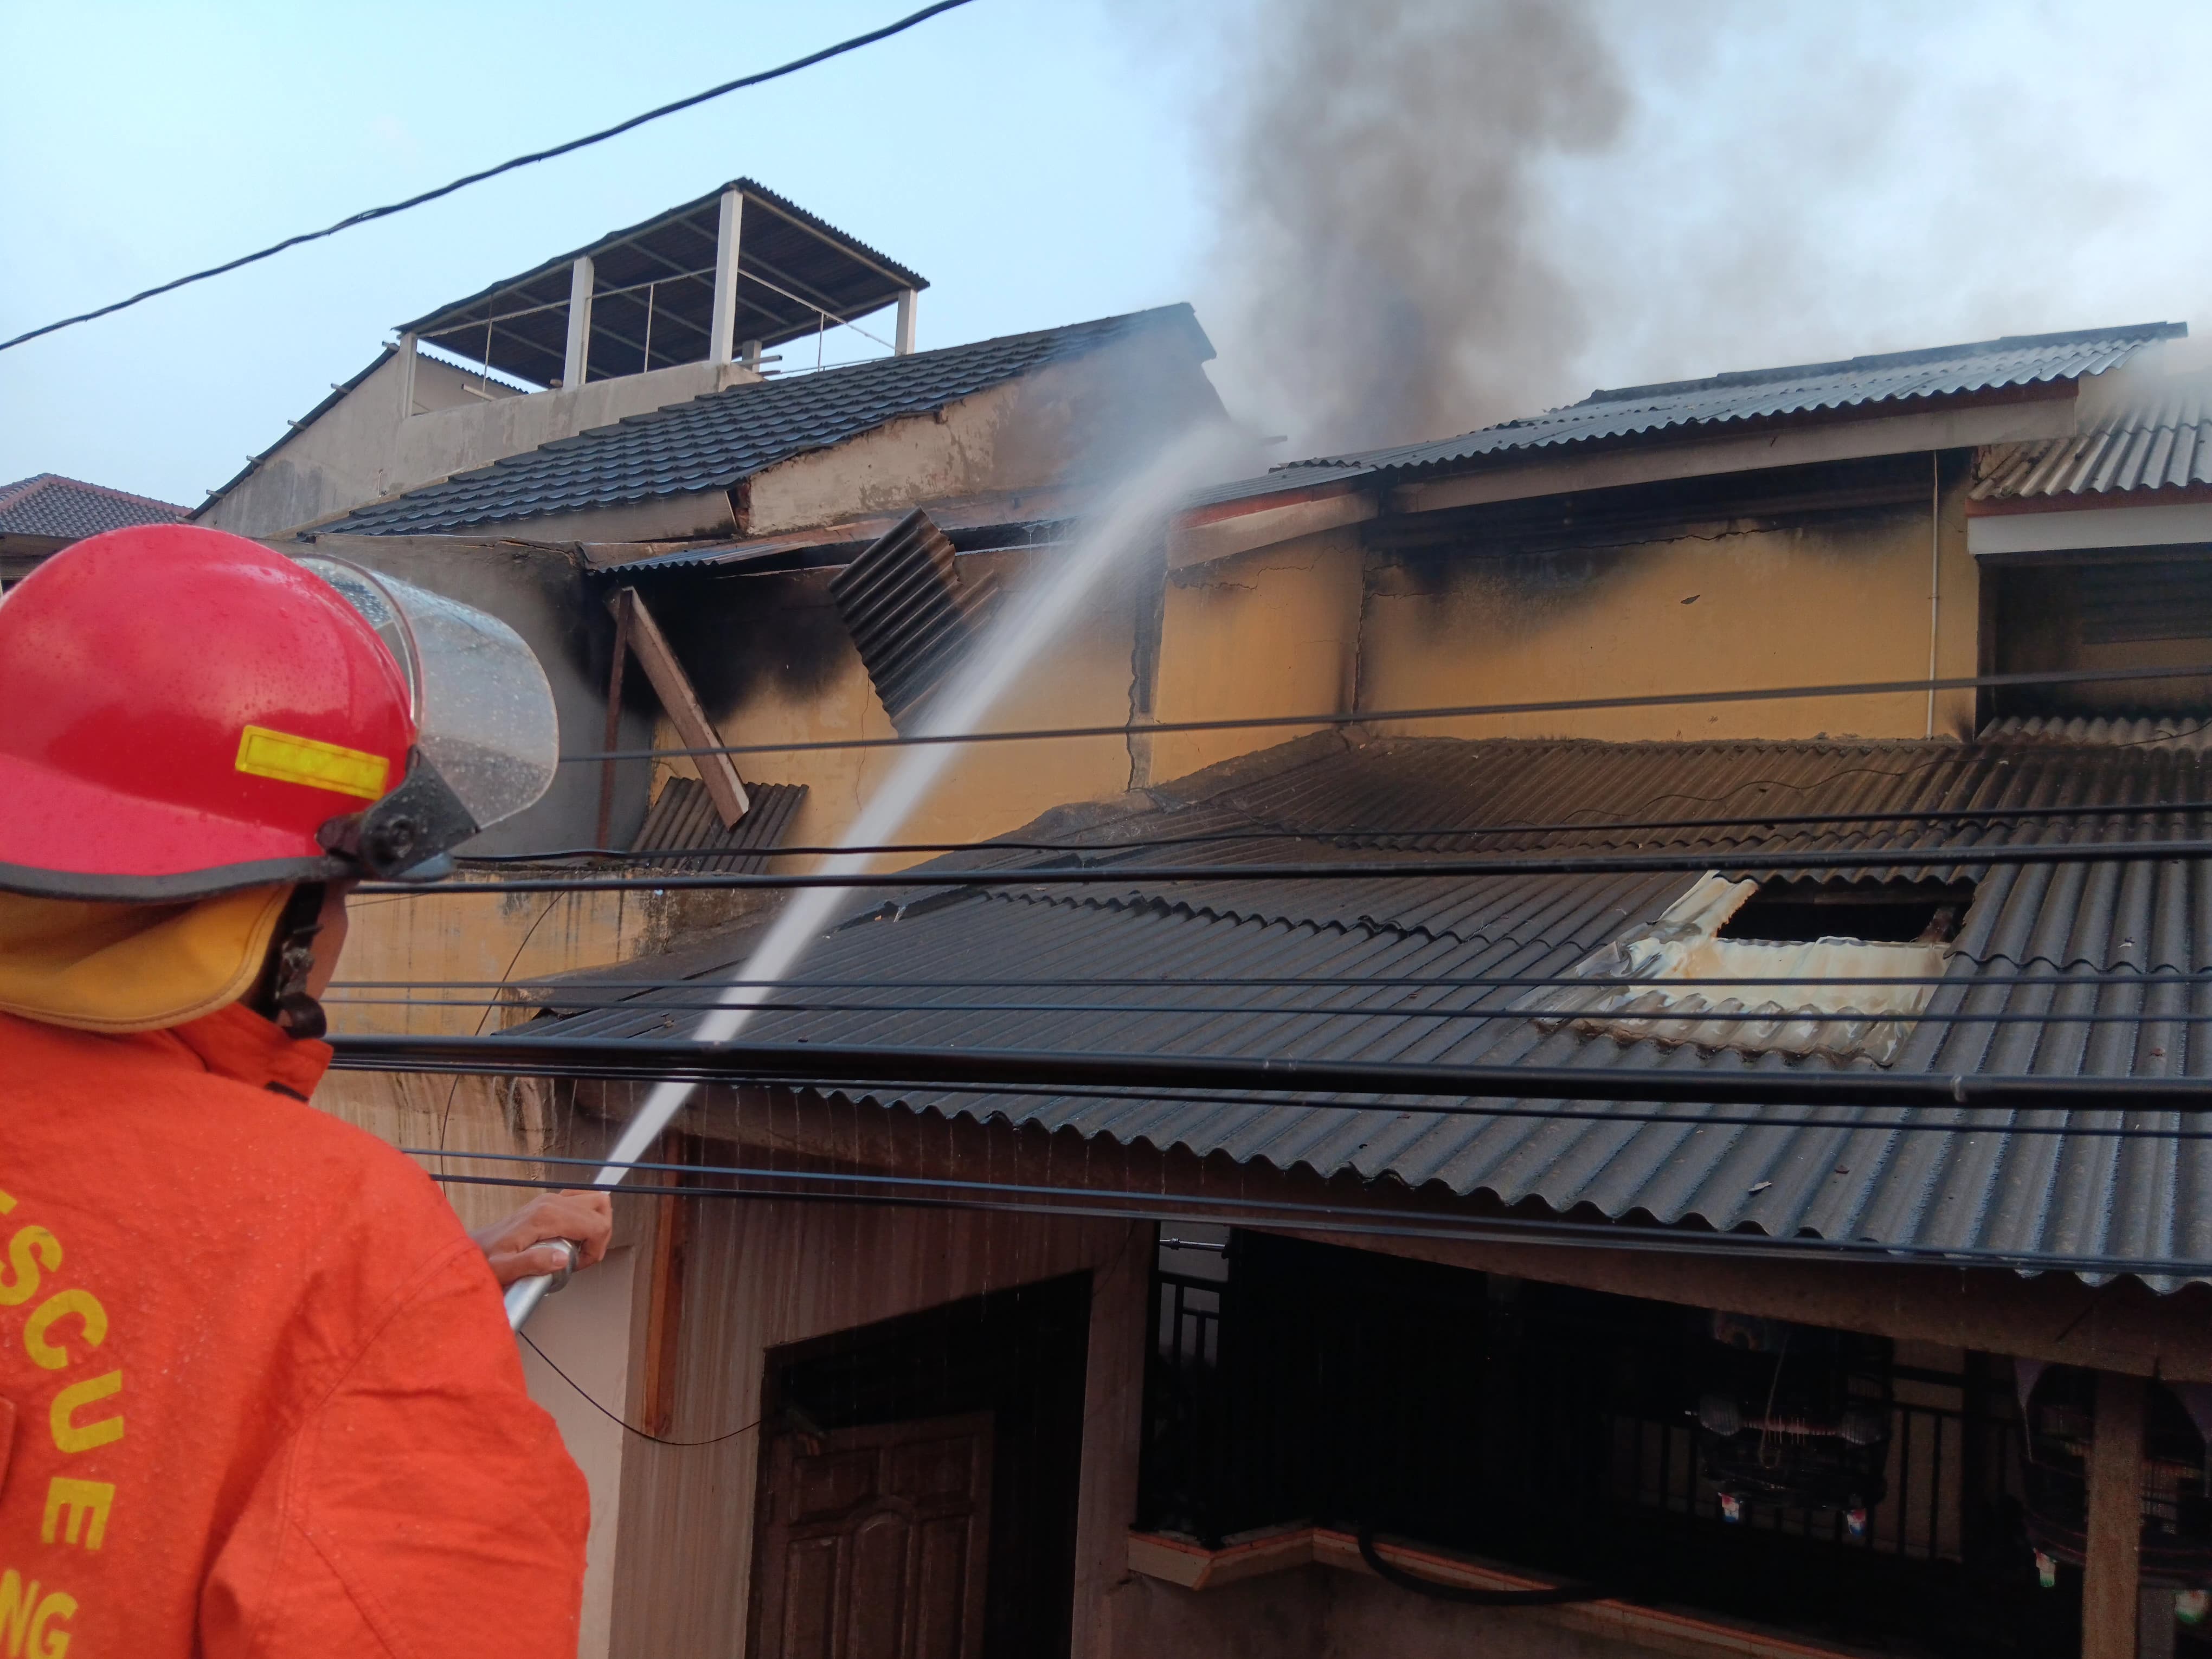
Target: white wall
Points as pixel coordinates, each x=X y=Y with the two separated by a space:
x=585 y=1331
x=359 y=450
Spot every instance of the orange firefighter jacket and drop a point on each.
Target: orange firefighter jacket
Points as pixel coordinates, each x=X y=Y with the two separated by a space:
x=257 y=1392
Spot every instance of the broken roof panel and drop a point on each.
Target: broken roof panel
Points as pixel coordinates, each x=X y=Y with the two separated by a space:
x=713 y=441
x=655 y=285
x=1152 y=967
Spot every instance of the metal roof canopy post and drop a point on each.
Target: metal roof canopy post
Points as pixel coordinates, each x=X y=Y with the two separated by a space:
x=721 y=339
x=903 y=335
x=575 y=365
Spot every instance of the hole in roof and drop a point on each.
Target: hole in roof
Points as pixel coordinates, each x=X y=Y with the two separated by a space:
x=1789 y=968
x=1884 y=913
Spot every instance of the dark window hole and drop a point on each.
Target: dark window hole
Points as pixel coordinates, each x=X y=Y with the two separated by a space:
x=1897 y=913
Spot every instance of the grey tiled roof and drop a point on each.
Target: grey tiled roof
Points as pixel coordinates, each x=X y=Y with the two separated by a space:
x=1168 y=950
x=713 y=441
x=2161 y=440
x=47 y=504
x=1678 y=408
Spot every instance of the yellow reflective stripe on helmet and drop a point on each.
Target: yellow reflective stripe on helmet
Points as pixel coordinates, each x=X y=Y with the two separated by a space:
x=279 y=754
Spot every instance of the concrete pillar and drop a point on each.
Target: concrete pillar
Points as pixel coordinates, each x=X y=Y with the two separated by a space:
x=406 y=375
x=722 y=333
x=583 y=278
x=2111 y=1592
x=904 y=336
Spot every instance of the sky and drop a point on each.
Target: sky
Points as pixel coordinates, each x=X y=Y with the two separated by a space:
x=1752 y=185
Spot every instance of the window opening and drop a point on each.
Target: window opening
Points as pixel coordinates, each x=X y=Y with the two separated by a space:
x=2096 y=608
x=1825 y=1482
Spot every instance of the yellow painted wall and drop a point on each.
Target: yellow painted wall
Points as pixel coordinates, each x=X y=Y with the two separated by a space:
x=1274 y=631
x=1282 y=630
x=1083 y=678
x=1847 y=602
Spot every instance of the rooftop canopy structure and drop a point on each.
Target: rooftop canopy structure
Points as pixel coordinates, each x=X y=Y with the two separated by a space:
x=735 y=271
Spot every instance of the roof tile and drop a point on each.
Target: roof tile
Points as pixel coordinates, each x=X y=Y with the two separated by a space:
x=713 y=441
x=47 y=504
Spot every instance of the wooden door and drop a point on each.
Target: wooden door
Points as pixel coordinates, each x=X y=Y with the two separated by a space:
x=874 y=1542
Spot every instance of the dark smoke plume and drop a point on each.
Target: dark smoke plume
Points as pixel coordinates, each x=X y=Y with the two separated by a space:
x=1383 y=230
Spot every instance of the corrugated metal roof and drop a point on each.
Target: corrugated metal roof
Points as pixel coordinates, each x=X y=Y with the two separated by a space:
x=909 y=613
x=47 y=504
x=1845 y=1179
x=1680 y=406
x=798 y=267
x=1292 y=475
x=2124 y=732
x=2161 y=440
x=711 y=441
x=685 y=818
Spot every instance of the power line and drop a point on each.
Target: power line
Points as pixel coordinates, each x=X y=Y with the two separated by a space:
x=1293 y=832
x=803 y=1062
x=1774 y=1014
x=1375 y=716
x=628 y=1427
x=1698 y=1118
x=1123 y=874
x=1283 y=1216
x=573 y=144
x=2145 y=978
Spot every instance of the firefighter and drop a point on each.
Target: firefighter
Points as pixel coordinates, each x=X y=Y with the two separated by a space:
x=257 y=1393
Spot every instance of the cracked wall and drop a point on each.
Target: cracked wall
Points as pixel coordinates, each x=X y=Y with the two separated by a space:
x=1272 y=632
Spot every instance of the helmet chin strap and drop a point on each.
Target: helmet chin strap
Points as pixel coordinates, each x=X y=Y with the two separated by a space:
x=284 y=996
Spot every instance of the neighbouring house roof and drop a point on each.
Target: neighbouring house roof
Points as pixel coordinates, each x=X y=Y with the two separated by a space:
x=714 y=441
x=2159 y=441
x=1678 y=409
x=47 y=504
x=1170 y=952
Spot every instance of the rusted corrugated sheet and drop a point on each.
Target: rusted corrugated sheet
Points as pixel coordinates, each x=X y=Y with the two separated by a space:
x=683 y=820
x=1149 y=967
x=909 y=613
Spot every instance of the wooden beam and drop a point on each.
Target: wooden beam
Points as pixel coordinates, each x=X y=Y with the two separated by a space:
x=685 y=712
x=622 y=606
x=2110 y=1575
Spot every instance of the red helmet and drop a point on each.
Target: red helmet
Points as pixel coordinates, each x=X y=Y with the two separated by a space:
x=182 y=712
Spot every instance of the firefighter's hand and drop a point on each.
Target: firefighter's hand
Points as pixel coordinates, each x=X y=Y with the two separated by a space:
x=515 y=1245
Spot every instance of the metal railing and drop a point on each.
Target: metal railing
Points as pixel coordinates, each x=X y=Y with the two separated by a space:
x=1554 y=1429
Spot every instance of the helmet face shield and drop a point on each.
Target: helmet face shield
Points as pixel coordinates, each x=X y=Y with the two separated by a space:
x=488 y=737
